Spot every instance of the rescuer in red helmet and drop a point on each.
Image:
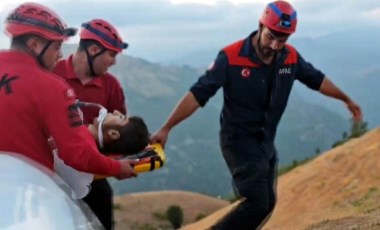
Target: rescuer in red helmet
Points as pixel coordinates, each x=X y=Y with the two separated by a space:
x=36 y=105
x=86 y=71
x=257 y=75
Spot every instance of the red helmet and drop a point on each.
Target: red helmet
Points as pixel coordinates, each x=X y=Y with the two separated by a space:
x=34 y=18
x=280 y=16
x=104 y=33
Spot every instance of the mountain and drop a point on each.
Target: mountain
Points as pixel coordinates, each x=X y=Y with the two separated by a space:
x=194 y=161
x=350 y=60
x=337 y=190
x=196 y=59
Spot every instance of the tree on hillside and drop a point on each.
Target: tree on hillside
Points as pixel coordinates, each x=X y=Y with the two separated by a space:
x=357 y=129
x=175 y=216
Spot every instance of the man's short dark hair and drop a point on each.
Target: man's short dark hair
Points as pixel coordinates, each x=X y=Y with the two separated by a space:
x=134 y=137
x=20 y=41
x=85 y=43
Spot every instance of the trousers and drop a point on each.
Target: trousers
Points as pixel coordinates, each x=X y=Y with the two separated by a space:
x=100 y=200
x=253 y=166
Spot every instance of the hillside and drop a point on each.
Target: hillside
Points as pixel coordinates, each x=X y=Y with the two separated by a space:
x=337 y=190
x=137 y=211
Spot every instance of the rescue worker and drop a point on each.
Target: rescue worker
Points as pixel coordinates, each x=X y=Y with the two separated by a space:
x=36 y=104
x=257 y=74
x=86 y=71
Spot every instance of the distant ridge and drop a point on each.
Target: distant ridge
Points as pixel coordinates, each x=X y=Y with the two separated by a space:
x=138 y=209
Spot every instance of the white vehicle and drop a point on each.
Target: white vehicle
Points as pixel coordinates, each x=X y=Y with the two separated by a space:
x=33 y=197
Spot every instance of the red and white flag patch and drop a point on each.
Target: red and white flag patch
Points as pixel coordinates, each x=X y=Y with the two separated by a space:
x=246 y=73
x=70 y=94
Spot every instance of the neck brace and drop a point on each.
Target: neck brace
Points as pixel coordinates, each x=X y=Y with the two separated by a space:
x=101 y=117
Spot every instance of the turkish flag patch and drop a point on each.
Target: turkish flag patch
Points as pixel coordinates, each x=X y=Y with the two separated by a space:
x=246 y=73
x=70 y=94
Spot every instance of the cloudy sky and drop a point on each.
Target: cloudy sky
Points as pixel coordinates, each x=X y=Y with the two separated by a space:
x=162 y=29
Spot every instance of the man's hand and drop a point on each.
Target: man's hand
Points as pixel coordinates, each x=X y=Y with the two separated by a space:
x=161 y=136
x=127 y=170
x=328 y=88
x=355 y=110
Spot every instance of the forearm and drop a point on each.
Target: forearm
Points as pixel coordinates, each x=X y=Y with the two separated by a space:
x=187 y=106
x=84 y=156
x=328 y=88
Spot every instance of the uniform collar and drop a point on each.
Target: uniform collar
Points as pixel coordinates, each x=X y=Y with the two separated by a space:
x=247 y=49
x=19 y=56
x=70 y=74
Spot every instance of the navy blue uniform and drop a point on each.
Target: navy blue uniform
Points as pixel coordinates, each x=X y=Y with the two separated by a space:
x=255 y=97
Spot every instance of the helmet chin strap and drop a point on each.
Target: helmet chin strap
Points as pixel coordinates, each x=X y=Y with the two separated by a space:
x=101 y=117
x=90 y=61
x=42 y=53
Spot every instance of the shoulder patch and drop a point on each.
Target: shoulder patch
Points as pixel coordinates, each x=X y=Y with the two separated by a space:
x=75 y=115
x=70 y=94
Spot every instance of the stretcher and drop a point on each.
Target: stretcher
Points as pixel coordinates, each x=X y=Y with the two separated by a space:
x=150 y=159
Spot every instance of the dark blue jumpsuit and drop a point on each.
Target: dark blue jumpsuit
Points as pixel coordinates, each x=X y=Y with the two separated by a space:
x=255 y=97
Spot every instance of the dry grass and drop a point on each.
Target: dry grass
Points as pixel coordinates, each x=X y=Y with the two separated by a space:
x=337 y=190
x=134 y=211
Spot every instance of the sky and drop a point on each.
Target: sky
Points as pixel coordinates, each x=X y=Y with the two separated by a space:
x=160 y=30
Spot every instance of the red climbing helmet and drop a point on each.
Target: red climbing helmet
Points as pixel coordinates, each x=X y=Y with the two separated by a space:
x=34 y=18
x=280 y=16
x=104 y=33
